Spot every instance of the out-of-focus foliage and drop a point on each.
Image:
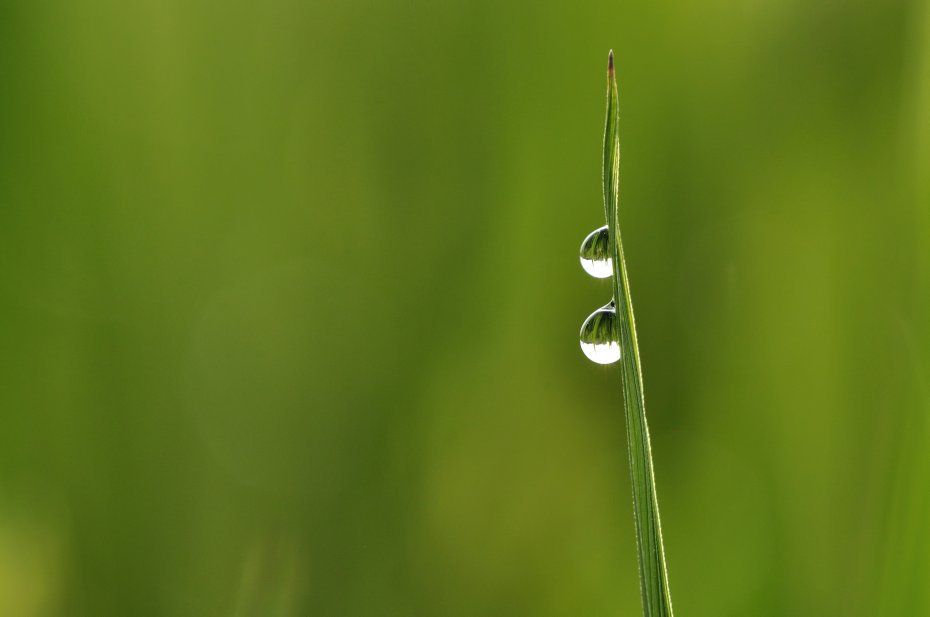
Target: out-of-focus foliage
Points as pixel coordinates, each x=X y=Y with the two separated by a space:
x=289 y=298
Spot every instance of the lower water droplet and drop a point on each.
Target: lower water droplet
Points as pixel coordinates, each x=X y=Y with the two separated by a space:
x=600 y=335
x=595 y=254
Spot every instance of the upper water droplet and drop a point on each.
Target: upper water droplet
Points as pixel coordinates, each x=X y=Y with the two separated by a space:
x=600 y=335
x=595 y=254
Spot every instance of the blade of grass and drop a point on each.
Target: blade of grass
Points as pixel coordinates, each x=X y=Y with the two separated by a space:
x=657 y=601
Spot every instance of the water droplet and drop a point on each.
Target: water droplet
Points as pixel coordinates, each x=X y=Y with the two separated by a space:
x=595 y=254
x=600 y=336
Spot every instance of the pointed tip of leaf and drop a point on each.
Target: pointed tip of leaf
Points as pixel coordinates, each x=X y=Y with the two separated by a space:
x=610 y=61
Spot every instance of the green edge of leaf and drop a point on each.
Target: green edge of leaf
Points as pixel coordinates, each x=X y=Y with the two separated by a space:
x=657 y=601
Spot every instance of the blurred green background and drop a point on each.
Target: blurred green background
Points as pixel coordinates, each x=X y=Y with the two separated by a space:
x=290 y=295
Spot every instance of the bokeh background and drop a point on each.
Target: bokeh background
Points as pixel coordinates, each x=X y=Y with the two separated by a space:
x=290 y=294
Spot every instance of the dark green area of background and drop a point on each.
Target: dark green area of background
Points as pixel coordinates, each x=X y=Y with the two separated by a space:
x=289 y=299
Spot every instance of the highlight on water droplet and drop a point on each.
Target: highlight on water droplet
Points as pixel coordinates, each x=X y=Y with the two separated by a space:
x=600 y=335
x=595 y=254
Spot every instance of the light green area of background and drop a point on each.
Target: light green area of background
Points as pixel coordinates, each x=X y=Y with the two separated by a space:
x=289 y=299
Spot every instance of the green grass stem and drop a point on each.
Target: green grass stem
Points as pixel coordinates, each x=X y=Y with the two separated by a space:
x=657 y=601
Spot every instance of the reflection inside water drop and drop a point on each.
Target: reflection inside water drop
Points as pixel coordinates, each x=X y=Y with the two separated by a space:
x=600 y=339
x=595 y=254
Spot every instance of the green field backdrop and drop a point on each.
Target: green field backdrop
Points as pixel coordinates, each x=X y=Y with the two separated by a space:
x=290 y=297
